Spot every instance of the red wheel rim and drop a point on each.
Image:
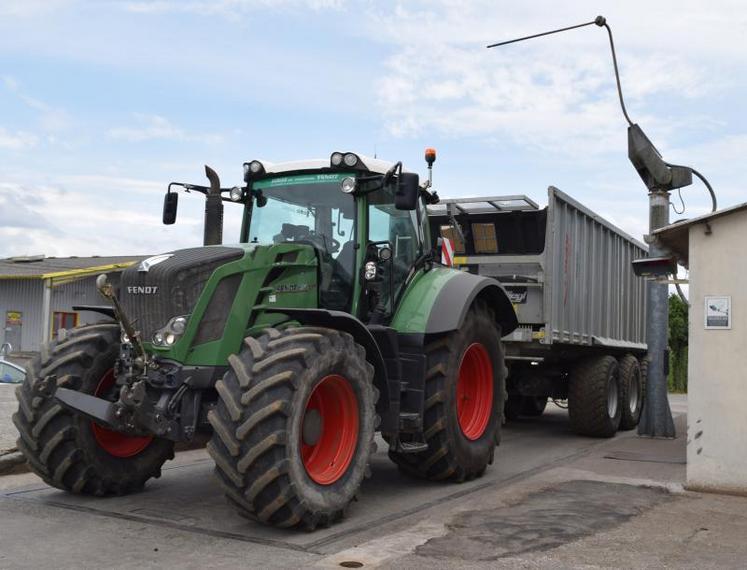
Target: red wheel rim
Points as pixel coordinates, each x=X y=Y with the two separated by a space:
x=474 y=391
x=114 y=442
x=328 y=457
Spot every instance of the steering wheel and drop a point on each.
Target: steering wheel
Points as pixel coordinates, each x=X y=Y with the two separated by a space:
x=319 y=241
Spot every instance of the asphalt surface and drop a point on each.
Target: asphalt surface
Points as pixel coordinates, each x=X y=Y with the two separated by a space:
x=548 y=488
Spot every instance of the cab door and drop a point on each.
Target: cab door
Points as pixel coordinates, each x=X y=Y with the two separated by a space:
x=400 y=232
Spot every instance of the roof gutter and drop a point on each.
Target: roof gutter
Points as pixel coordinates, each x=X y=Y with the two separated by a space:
x=72 y=274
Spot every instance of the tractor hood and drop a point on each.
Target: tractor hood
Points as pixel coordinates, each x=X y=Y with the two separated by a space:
x=220 y=293
x=169 y=285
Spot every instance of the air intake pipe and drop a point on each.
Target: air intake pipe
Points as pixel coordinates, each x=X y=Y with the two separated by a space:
x=213 y=210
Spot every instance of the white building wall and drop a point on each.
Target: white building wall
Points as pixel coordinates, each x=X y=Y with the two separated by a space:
x=717 y=367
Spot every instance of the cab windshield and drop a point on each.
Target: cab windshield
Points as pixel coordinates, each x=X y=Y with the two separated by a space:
x=313 y=210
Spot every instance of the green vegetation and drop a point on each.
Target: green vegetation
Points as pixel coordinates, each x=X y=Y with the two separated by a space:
x=677 y=344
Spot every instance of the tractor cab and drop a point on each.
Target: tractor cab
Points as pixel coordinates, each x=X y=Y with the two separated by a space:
x=363 y=217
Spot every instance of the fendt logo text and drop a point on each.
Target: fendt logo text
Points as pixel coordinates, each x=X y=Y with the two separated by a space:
x=142 y=289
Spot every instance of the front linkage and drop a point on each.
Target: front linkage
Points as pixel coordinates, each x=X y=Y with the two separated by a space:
x=154 y=396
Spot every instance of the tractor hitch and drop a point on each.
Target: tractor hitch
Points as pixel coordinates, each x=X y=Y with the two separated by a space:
x=101 y=411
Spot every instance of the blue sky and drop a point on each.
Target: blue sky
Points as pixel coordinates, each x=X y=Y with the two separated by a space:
x=103 y=103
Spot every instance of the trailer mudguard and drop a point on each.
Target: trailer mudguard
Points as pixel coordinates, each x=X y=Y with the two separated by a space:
x=438 y=300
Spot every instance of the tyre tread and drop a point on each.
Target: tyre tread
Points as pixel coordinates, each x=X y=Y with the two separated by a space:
x=260 y=382
x=49 y=434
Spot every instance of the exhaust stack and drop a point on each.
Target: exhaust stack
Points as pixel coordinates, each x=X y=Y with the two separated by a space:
x=213 y=210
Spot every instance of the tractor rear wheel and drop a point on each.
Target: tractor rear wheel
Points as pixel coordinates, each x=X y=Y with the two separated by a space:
x=594 y=403
x=294 y=425
x=67 y=450
x=464 y=399
x=631 y=389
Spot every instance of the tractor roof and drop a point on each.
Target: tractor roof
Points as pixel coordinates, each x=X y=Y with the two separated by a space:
x=372 y=164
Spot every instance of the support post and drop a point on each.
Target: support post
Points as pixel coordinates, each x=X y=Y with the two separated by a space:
x=46 y=309
x=656 y=420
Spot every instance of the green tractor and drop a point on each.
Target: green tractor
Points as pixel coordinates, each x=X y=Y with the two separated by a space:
x=331 y=318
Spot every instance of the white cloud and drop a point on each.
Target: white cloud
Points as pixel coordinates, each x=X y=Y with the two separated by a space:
x=155 y=127
x=17 y=141
x=32 y=8
x=89 y=220
x=99 y=214
x=51 y=119
x=556 y=96
x=226 y=8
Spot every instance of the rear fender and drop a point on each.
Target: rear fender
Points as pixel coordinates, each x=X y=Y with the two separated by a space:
x=438 y=301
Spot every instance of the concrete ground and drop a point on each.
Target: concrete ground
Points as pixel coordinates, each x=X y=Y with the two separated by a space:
x=552 y=499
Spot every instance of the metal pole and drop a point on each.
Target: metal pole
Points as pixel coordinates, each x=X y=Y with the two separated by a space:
x=46 y=310
x=656 y=420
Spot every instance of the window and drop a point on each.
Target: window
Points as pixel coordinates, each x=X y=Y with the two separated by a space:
x=397 y=227
x=63 y=320
x=312 y=209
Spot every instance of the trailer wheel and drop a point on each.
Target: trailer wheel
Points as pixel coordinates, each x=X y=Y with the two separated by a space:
x=464 y=398
x=294 y=425
x=631 y=388
x=594 y=402
x=71 y=452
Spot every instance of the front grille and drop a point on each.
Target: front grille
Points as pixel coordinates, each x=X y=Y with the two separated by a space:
x=170 y=288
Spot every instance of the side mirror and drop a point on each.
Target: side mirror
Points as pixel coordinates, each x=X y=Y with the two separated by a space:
x=408 y=190
x=170 y=202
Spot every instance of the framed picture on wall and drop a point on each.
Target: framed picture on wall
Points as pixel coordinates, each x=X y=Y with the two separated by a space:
x=718 y=312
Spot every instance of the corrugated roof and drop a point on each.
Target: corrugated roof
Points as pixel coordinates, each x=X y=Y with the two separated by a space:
x=37 y=267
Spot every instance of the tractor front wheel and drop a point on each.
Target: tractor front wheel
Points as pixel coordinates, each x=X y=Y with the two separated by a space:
x=464 y=399
x=67 y=450
x=294 y=425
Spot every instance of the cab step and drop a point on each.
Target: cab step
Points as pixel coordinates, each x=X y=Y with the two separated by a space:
x=412 y=446
x=410 y=422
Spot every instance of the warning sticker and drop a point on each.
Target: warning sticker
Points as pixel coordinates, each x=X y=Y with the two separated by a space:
x=13 y=318
x=718 y=312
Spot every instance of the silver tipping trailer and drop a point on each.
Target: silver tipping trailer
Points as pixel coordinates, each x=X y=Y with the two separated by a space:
x=581 y=309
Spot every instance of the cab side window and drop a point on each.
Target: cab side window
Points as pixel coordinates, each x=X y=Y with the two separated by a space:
x=398 y=227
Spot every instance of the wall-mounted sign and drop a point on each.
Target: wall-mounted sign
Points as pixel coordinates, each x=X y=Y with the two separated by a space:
x=13 y=318
x=718 y=312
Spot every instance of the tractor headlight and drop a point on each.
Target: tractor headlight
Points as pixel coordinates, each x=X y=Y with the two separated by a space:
x=179 y=324
x=369 y=271
x=335 y=159
x=350 y=159
x=348 y=184
x=236 y=194
x=253 y=168
x=168 y=335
